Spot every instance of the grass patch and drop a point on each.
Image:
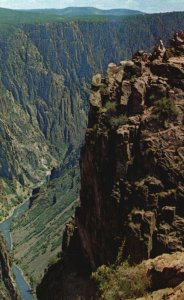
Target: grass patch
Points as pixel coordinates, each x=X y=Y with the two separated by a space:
x=122 y=282
x=117 y=121
x=166 y=109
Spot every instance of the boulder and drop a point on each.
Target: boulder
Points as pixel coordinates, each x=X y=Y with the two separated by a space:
x=166 y=270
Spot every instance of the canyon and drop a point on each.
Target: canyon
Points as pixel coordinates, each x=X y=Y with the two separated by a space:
x=46 y=70
x=131 y=198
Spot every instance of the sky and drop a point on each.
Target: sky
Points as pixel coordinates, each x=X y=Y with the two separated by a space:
x=149 y=6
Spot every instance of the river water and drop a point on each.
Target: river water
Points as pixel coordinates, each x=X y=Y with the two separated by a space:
x=24 y=288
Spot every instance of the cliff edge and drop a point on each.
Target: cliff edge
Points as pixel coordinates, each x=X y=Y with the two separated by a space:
x=132 y=162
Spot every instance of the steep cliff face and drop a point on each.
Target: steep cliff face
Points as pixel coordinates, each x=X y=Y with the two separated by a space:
x=46 y=71
x=25 y=154
x=132 y=162
x=8 y=289
x=45 y=74
x=131 y=165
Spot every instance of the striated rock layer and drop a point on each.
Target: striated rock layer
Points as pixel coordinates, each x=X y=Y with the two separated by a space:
x=132 y=162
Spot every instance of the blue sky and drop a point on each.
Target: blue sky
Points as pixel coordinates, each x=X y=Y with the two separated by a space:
x=144 y=5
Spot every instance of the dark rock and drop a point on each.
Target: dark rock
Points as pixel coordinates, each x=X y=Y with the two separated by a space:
x=131 y=175
x=8 y=288
x=168 y=213
x=168 y=70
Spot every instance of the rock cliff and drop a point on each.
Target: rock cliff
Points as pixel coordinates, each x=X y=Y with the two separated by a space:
x=44 y=85
x=46 y=69
x=132 y=162
x=132 y=180
x=8 y=289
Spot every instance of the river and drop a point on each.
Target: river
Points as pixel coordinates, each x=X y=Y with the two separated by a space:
x=23 y=286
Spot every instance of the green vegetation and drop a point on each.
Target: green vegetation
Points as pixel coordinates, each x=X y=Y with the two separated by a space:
x=46 y=65
x=117 y=121
x=15 y=17
x=81 y=11
x=45 y=80
x=53 y=260
x=37 y=234
x=166 y=109
x=10 y=18
x=110 y=107
x=122 y=282
x=109 y=117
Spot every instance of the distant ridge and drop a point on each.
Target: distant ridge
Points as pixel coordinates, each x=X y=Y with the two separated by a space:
x=33 y=16
x=89 y=11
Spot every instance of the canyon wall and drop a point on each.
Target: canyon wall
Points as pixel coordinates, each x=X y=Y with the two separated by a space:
x=131 y=199
x=8 y=290
x=46 y=71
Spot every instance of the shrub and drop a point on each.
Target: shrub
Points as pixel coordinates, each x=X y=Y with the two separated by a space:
x=166 y=109
x=117 y=121
x=110 y=107
x=124 y=282
x=104 y=89
x=52 y=261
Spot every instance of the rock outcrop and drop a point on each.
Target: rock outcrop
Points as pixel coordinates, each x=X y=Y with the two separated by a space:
x=167 y=277
x=44 y=87
x=132 y=162
x=8 y=289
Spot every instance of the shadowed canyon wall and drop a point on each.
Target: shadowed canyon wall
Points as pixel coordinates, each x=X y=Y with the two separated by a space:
x=45 y=76
x=132 y=192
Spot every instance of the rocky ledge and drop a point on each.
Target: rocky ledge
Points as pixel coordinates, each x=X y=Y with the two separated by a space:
x=132 y=162
x=167 y=277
